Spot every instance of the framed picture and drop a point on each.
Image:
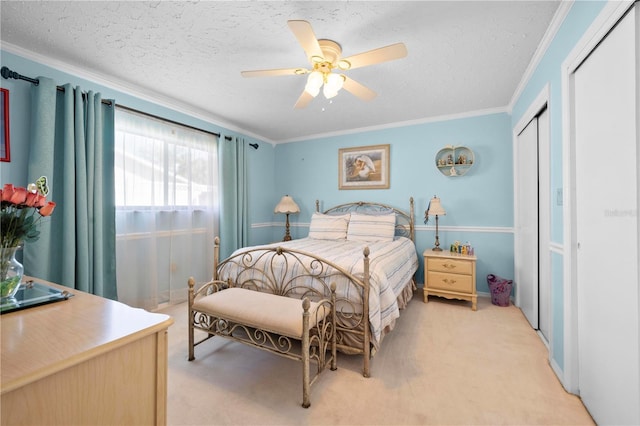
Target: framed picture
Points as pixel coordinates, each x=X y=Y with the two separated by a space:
x=364 y=167
x=5 y=153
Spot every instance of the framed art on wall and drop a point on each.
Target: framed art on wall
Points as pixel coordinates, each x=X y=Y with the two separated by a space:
x=364 y=167
x=5 y=153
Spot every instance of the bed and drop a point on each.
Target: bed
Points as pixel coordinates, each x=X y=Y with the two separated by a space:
x=366 y=248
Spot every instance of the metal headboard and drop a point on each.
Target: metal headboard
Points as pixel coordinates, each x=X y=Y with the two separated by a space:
x=405 y=221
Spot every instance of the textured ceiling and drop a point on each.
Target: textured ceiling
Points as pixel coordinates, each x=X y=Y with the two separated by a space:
x=463 y=56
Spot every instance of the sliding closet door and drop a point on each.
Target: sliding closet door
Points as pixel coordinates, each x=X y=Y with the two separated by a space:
x=526 y=281
x=544 y=232
x=606 y=165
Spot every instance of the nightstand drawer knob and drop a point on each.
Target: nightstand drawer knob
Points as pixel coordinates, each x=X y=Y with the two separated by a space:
x=449 y=266
x=448 y=281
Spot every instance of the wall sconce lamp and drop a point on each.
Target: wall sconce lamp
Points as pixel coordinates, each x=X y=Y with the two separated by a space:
x=287 y=206
x=434 y=209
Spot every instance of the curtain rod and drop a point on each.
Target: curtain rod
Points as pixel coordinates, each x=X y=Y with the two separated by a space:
x=170 y=121
x=7 y=74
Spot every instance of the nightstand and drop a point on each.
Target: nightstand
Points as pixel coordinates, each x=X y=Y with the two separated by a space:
x=450 y=275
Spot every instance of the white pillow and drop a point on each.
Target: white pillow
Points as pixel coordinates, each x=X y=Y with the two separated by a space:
x=364 y=227
x=329 y=227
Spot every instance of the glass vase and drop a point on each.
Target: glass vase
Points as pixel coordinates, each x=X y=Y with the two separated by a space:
x=11 y=272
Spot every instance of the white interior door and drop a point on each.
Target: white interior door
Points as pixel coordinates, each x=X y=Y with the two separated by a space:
x=527 y=223
x=606 y=174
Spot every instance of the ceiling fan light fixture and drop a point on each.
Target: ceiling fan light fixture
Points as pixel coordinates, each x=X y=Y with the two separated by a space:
x=332 y=85
x=325 y=57
x=313 y=92
x=314 y=83
x=328 y=93
x=335 y=82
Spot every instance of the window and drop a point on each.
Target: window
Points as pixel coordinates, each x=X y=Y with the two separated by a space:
x=166 y=207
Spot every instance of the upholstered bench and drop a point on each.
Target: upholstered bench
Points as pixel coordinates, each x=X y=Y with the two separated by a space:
x=297 y=329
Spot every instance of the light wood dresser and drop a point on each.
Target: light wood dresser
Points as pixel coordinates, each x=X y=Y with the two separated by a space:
x=450 y=275
x=85 y=360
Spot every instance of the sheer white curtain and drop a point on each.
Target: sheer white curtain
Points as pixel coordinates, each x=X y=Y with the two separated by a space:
x=166 y=179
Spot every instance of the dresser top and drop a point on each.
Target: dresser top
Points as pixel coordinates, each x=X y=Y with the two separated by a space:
x=42 y=340
x=446 y=254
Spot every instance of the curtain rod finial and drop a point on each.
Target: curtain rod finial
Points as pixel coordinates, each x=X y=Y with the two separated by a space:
x=6 y=72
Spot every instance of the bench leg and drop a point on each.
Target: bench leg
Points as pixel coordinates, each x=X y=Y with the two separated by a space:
x=191 y=354
x=367 y=352
x=334 y=325
x=365 y=369
x=191 y=284
x=305 y=354
x=306 y=388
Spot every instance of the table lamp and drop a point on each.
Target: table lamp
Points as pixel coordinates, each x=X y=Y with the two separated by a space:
x=435 y=209
x=287 y=206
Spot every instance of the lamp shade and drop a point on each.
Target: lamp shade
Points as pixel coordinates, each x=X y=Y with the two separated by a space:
x=435 y=208
x=332 y=86
x=314 y=82
x=287 y=205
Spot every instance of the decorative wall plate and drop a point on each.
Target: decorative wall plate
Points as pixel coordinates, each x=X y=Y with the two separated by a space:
x=454 y=160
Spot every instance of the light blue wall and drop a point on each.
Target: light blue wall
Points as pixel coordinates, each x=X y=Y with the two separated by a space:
x=480 y=200
x=260 y=162
x=549 y=71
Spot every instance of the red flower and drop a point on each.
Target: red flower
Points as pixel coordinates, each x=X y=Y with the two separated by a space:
x=41 y=200
x=18 y=221
x=7 y=192
x=48 y=209
x=19 y=196
x=32 y=199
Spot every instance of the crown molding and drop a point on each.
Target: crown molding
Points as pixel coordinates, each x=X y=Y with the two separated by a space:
x=397 y=124
x=129 y=89
x=206 y=116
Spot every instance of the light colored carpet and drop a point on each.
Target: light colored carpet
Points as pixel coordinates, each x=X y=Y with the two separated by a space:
x=443 y=364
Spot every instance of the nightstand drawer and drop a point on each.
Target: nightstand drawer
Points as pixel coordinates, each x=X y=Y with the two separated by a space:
x=453 y=266
x=450 y=282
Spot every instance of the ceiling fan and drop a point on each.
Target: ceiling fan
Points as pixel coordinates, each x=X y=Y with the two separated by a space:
x=325 y=58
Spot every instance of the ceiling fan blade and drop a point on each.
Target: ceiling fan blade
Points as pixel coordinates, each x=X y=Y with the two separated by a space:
x=274 y=72
x=376 y=56
x=357 y=89
x=303 y=100
x=306 y=37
